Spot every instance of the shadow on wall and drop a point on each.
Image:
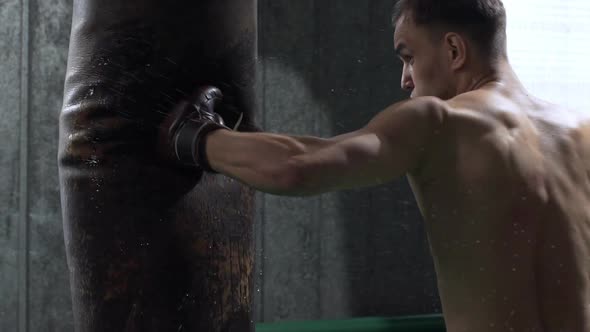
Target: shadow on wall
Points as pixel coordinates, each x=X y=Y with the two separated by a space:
x=327 y=67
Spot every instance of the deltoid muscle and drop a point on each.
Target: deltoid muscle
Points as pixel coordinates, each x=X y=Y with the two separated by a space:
x=153 y=246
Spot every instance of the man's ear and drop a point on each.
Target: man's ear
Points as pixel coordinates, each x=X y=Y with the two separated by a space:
x=456 y=49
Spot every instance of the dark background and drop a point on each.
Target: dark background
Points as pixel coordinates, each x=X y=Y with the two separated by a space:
x=326 y=67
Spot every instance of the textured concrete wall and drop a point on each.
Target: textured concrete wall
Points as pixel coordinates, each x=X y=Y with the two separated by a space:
x=10 y=50
x=326 y=67
x=49 y=296
x=34 y=286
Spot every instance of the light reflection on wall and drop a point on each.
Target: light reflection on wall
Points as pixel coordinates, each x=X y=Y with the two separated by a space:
x=549 y=48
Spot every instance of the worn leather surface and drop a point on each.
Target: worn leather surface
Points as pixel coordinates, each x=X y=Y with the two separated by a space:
x=152 y=246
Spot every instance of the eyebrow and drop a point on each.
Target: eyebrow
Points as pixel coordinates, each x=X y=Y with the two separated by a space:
x=400 y=48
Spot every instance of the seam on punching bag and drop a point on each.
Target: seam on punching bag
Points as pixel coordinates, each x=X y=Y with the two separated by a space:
x=23 y=228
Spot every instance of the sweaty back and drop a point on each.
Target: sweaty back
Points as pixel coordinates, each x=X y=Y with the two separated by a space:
x=506 y=201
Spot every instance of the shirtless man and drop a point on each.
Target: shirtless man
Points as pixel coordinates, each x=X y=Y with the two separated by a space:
x=502 y=178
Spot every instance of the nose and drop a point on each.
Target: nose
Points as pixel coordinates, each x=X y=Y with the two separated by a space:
x=407 y=81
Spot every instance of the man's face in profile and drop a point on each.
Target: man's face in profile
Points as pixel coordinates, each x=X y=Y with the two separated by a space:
x=425 y=69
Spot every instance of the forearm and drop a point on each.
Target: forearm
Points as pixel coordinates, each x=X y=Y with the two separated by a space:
x=260 y=160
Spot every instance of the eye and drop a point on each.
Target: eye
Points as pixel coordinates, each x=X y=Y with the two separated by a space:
x=407 y=59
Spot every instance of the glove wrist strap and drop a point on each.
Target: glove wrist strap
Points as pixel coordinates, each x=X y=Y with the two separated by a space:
x=189 y=143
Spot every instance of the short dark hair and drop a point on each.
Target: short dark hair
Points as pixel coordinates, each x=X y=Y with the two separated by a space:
x=484 y=21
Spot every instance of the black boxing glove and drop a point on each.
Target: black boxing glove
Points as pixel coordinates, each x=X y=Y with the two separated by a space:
x=187 y=126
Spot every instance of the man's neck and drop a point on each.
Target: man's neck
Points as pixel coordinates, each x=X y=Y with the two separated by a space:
x=500 y=73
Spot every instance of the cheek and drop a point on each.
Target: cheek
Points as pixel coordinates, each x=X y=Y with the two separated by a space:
x=427 y=79
x=427 y=72
x=421 y=75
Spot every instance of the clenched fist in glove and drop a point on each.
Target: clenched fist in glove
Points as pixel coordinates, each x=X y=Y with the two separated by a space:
x=184 y=132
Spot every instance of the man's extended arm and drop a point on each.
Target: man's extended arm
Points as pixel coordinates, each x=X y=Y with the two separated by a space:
x=262 y=160
x=394 y=142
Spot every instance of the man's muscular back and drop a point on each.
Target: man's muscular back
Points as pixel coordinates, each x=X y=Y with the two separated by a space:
x=506 y=201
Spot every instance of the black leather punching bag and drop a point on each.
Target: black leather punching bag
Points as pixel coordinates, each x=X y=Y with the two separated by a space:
x=152 y=246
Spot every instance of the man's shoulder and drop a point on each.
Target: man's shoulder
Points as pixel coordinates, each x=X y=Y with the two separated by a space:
x=470 y=111
x=464 y=110
x=429 y=106
x=425 y=104
x=431 y=109
x=482 y=111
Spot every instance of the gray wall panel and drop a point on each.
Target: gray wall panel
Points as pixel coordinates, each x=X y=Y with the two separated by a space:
x=344 y=89
x=373 y=252
x=291 y=226
x=50 y=301
x=10 y=52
